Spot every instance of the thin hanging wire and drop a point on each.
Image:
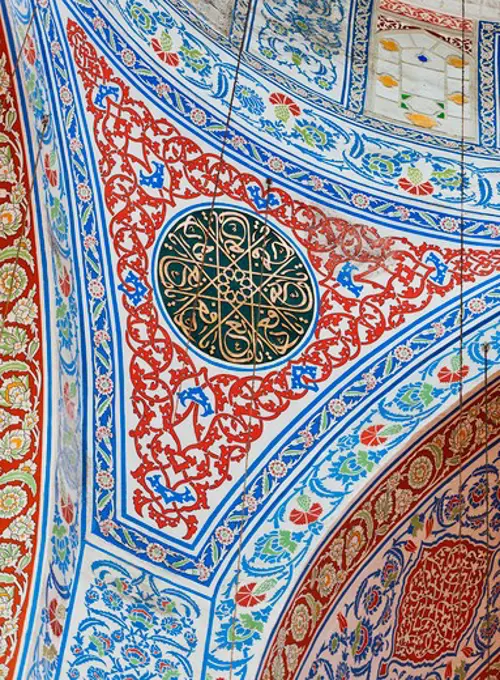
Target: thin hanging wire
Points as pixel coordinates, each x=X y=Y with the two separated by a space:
x=486 y=348
x=201 y=264
x=28 y=29
x=248 y=443
x=462 y=266
x=25 y=226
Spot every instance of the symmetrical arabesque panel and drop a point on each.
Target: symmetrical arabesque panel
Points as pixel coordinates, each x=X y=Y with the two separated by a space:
x=257 y=351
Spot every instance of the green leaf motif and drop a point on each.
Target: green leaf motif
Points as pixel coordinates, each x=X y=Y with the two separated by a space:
x=286 y=542
x=266 y=585
x=250 y=623
x=416 y=525
x=166 y=41
x=304 y=502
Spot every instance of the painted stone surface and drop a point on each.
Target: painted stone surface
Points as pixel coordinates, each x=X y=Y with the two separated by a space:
x=22 y=381
x=419 y=604
x=245 y=374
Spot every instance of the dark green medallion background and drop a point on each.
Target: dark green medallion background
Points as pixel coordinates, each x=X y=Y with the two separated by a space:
x=235 y=288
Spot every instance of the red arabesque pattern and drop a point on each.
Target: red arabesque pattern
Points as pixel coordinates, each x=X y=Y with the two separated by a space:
x=394 y=278
x=350 y=545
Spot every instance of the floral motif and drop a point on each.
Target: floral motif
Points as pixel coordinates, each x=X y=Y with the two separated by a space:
x=21 y=380
x=133 y=621
x=366 y=617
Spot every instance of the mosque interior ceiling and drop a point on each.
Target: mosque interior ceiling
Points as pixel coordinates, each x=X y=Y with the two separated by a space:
x=249 y=339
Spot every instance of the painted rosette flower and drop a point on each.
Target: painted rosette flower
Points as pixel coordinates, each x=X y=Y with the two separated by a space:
x=477 y=305
x=128 y=58
x=24 y=311
x=276 y=164
x=96 y=289
x=449 y=224
x=403 y=353
x=15 y=393
x=66 y=95
x=337 y=407
x=14 y=444
x=461 y=437
x=277 y=468
x=104 y=384
x=84 y=192
x=327 y=580
x=198 y=117
x=224 y=535
x=250 y=503
x=105 y=479
x=300 y=623
x=360 y=201
x=13 y=282
x=156 y=552
x=13 y=500
x=420 y=472
x=284 y=108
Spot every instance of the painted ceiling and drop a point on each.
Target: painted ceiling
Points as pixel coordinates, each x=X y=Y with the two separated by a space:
x=249 y=339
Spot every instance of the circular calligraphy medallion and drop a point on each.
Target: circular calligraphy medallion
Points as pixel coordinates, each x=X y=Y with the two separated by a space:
x=235 y=289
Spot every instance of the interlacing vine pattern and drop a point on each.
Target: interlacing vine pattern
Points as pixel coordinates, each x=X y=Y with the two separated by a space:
x=21 y=379
x=369 y=285
x=429 y=537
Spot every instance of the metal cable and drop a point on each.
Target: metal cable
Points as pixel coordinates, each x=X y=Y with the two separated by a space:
x=200 y=265
x=248 y=444
x=461 y=295
x=486 y=348
x=28 y=28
